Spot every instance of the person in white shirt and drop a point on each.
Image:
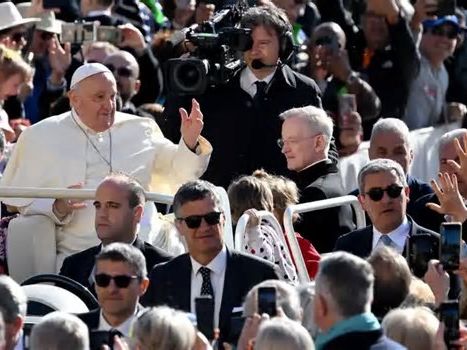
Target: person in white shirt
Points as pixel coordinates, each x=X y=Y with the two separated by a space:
x=384 y=195
x=78 y=149
x=121 y=279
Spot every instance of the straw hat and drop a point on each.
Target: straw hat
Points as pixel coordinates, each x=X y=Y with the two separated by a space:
x=47 y=20
x=10 y=16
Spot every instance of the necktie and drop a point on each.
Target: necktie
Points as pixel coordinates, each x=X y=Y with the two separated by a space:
x=260 y=91
x=206 y=287
x=387 y=241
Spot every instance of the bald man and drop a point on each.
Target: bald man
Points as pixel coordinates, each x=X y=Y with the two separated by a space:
x=79 y=148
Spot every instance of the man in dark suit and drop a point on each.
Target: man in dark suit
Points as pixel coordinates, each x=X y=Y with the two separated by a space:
x=121 y=279
x=242 y=116
x=306 y=137
x=390 y=139
x=209 y=269
x=119 y=207
x=384 y=195
x=345 y=318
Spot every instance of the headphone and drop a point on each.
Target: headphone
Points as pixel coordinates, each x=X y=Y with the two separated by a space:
x=286 y=42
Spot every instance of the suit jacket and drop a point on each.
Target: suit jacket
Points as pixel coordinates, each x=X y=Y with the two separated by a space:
x=244 y=133
x=370 y=340
x=79 y=266
x=322 y=227
x=91 y=318
x=170 y=284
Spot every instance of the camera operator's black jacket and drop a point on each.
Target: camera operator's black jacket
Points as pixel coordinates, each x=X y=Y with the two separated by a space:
x=243 y=133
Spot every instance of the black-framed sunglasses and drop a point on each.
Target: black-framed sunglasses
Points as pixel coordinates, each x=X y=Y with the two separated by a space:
x=46 y=35
x=121 y=71
x=449 y=32
x=17 y=36
x=377 y=193
x=194 y=221
x=121 y=281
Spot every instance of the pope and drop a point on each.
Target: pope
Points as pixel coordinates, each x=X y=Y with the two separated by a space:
x=78 y=149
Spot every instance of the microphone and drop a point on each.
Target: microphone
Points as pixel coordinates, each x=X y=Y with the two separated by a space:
x=258 y=64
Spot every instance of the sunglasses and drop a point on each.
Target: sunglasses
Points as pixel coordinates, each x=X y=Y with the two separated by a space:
x=449 y=32
x=46 y=35
x=121 y=281
x=194 y=221
x=18 y=36
x=377 y=193
x=121 y=71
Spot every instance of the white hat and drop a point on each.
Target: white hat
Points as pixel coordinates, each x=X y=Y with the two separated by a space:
x=10 y=16
x=47 y=23
x=87 y=70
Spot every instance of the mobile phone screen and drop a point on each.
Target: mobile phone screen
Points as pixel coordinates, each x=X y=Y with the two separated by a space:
x=421 y=251
x=449 y=315
x=449 y=248
x=267 y=301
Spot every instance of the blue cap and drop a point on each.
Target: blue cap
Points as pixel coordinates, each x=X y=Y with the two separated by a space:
x=432 y=23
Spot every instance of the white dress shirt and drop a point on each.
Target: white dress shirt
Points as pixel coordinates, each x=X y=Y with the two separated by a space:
x=217 y=267
x=123 y=328
x=248 y=80
x=398 y=236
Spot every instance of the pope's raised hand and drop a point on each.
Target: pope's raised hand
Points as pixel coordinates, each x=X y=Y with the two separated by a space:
x=461 y=150
x=191 y=124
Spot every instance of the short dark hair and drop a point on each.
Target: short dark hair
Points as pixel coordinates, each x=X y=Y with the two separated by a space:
x=136 y=194
x=123 y=252
x=194 y=191
x=269 y=16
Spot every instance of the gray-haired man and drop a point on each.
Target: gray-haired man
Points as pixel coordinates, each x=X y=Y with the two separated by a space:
x=13 y=304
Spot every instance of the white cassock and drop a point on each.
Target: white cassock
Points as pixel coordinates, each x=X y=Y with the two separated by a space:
x=57 y=153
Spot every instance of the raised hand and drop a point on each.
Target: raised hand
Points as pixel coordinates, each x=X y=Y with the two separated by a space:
x=64 y=207
x=191 y=125
x=450 y=199
x=461 y=150
x=59 y=58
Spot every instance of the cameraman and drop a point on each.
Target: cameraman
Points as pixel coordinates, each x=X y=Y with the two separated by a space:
x=241 y=116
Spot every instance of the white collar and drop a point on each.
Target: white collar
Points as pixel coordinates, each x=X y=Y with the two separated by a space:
x=216 y=265
x=83 y=126
x=249 y=78
x=398 y=235
x=123 y=328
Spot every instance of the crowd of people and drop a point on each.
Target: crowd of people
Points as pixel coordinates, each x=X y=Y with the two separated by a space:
x=264 y=101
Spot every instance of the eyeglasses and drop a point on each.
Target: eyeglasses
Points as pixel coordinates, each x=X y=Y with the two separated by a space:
x=46 y=35
x=121 y=71
x=18 y=36
x=194 y=221
x=449 y=32
x=281 y=142
x=121 y=281
x=377 y=193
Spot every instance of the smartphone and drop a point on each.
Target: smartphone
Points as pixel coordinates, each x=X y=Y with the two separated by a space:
x=450 y=245
x=347 y=104
x=109 y=34
x=449 y=315
x=78 y=33
x=267 y=301
x=99 y=338
x=421 y=250
x=204 y=307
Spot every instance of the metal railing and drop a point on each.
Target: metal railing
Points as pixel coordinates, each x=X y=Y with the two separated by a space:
x=271 y=220
x=85 y=194
x=312 y=206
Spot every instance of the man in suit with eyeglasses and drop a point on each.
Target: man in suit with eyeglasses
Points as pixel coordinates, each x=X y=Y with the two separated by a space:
x=209 y=269
x=305 y=143
x=121 y=280
x=384 y=195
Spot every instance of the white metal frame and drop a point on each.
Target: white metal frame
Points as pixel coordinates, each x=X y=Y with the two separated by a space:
x=312 y=206
x=34 y=192
x=270 y=219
